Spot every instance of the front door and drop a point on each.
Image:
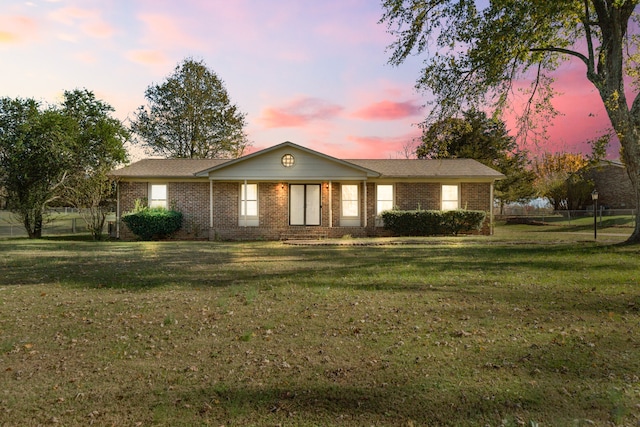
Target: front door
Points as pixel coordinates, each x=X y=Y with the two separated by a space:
x=304 y=204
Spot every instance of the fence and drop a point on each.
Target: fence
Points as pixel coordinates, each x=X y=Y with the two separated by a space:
x=59 y=221
x=604 y=217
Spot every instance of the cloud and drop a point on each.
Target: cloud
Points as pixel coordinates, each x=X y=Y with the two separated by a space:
x=381 y=147
x=147 y=57
x=163 y=30
x=16 y=29
x=388 y=110
x=299 y=112
x=89 y=22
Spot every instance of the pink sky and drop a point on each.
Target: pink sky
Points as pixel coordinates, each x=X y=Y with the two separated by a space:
x=307 y=71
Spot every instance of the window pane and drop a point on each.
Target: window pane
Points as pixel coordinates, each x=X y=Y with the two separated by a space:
x=384 y=205
x=350 y=208
x=349 y=192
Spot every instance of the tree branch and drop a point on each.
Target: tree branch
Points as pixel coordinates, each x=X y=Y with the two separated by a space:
x=562 y=50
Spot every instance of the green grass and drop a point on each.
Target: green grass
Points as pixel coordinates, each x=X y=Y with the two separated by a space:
x=529 y=326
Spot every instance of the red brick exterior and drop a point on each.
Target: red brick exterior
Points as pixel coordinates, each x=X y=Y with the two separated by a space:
x=193 y=198
x=614 y=187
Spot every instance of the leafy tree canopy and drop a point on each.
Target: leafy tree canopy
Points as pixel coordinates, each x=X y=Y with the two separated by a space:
x=473 y=57
x=476 y=136
x=190 y=115
x=44 y=149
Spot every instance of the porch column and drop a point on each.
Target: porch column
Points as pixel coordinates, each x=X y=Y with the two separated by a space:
x=330 y=205
x=365 y=203
x=118 y=214
x=491 y=209
x=210 y=204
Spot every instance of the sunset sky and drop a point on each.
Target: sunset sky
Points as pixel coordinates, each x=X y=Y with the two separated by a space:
x=308 y=71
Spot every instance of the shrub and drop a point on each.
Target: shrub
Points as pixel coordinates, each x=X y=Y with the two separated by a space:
x=429 y=223
x=153 y=223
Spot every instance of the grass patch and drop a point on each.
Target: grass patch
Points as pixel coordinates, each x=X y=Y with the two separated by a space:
x=455 y=331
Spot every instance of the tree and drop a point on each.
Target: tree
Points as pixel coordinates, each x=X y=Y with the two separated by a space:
x=190 y=115
x=97 y=142
x=558 y=179
x=476 y=136
x=46 y=152
x=476 y=56
x=34 y=159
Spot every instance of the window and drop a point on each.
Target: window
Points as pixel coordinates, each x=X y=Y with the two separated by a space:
x=384 y=201
x=158 y=196
x=384 y=198
x=248 y=204
x=288 y=160
x=350 y=200
x=450 y=199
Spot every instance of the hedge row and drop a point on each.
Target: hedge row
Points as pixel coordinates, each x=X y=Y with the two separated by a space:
x=153 y=223
x=430 y=223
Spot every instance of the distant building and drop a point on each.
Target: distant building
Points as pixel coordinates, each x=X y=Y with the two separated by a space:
x=613 y=185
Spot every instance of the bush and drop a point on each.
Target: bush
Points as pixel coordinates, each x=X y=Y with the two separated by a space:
x=153 y=223
x=430 y=223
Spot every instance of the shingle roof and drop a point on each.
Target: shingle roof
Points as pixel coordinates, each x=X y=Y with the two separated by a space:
x=166 y=168
x=442 y=168
x=388 y=168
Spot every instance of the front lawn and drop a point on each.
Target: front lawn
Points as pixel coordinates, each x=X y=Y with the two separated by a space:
x=456 y=331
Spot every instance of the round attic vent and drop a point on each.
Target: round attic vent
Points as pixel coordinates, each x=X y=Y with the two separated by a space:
x=288 y=160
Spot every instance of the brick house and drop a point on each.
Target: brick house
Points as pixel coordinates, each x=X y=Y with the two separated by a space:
x=290 y=191
x=613 y=184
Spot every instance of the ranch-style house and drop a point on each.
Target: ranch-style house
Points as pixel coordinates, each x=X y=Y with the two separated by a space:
x=289 y=191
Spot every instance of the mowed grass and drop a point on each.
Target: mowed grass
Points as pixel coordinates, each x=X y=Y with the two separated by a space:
x=461 y=331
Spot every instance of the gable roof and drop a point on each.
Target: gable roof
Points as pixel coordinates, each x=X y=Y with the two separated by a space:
x=381 y=168
x=289 y=145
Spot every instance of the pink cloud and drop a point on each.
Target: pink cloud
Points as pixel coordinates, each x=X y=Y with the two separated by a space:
x=388 y=110
x=16 y=29
x=163 y=30
x=299 y=112
x=89 y=22
x=147 y=57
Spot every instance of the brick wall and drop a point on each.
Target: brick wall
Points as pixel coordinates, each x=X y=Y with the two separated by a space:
x=192 y=199
x=614 y=187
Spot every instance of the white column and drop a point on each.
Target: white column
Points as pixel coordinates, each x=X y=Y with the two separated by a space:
x=210 y=204
x=365 y=203
x=330 y=205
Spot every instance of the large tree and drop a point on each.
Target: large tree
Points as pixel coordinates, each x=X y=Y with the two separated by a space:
x=190 y=115
x=97 y=143
x=474 y=57
x=476 y=136
x=46 y=151
x=34 y=159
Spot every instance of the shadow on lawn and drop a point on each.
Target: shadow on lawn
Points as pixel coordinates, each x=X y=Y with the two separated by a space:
x=413 y=404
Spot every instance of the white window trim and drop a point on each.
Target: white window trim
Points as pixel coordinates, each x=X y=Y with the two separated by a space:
x=243 y=219
x=150 y=200
x=350 y=221
x=442 y=200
